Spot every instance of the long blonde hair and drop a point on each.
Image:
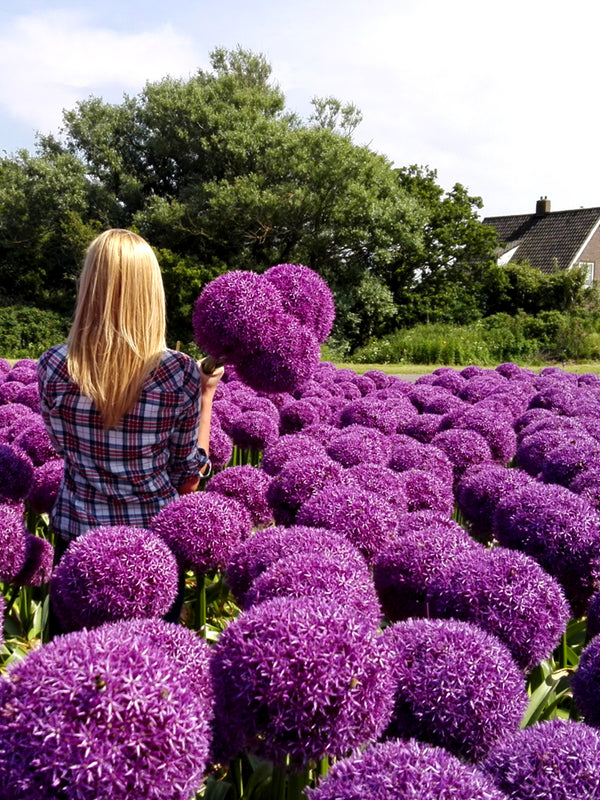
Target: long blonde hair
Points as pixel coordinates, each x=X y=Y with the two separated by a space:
x=118 y=333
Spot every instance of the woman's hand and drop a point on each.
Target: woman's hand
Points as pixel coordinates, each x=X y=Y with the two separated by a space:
x=210 y=381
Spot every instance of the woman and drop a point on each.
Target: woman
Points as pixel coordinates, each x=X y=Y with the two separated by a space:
x=131 y=418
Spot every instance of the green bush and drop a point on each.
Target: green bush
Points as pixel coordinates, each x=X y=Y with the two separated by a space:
x=25 y=332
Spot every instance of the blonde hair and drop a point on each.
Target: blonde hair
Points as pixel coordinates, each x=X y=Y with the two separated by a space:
x=118 y=333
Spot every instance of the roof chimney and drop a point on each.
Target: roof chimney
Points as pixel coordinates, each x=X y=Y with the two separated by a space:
x=542 y=206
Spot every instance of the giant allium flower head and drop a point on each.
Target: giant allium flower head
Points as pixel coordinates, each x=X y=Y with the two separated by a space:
x=297 y=482
x=593 y=615
x=35 y=441
x=450 y=379
x=225 y=412
x=365 y=518
x=529 y=417
x=426 y=491
x=506 y=593
x=404 y=770
x=112 y=573
x=310 y=574
x=442 y=403
x=365 y=384
x=357 y=444
x=554 y=760
x=9 y=391
x=5 y=366
x=564 y=463
x=256 y=554
x=101 y=713
x=560 y=530
x=288 y=448
x=257 y=402
x=16 y=469
x=304 y=412
x=254 y=431
x=248 y=485
x=464 y=448
x=38 y=564
x=381 y=480
x=221 y=446
x=299 y=677
x=16 y=412
x=23 y=373
x=12 y=540
x=477 y=388
x=29 y=396
x=589 y=379
x=510 y=370
x=533 y=449
x=404 y=572
x=585 y=682
x=305 y=295
x=457 y=686
x=480 y=489
x=587 y=484
x=346 y=389
x=376 y=413
x=416 y=455
x=380 y=378
x=473 y=371
x=495 y=428
x=423 y=427
x=202 y=529
x=562 y=399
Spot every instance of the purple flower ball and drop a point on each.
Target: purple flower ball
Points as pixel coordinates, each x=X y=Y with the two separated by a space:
x=38 y=564
x=399 y=770
x=404 y=572
x=365 y=384
x=248 y=485
x=427 y=492
x=257 y=402
x=202 y=529
x=555 y=760
x=508 y=594
x=383 y=415
x=100 y=713
x=35 y=441
x=310 y=574
x=16 y=469
x=301 y=413
x=254 y=431
x=457 y=686
x=305 y=295
x=533 y=449
x=560 y=399
x=473 y=371
x=560 y=530
x=382 y=481
x=257 y=553
x=585 y=682
x=288 y=448
x=451 y=380
x=299 y=678
x=495 y=428
x=463 y=448
x=221 y=447
x=587 y=484
x=16 y=413
x=297 y=482
x=29 y=396
x=379 y=377
x=359 y=445
x=426 y=457
x=423 y=427
x=4 y=366
x=13 y=541
x=564 y=463
x=9 y=391
x=24 y=373
x=112 y=573
x=364 y=518
x=478 y=387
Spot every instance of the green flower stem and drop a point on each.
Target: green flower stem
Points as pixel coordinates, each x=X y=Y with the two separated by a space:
x=296 y=784
x=201 y=604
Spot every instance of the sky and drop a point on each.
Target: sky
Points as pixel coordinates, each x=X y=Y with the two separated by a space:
x=500 y=97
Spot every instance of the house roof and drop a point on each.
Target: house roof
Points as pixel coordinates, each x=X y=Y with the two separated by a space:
x=547 y=239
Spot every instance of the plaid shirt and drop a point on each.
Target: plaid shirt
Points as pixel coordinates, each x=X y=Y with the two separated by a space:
x=124 y=475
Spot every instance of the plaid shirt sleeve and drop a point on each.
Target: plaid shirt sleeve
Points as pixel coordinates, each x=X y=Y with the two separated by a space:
x=186 y=458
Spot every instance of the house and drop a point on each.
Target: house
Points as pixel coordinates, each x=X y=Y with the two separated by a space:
x=551 y=240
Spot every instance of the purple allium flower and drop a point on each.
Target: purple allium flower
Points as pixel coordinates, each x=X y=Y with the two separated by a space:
x=256 y=554
x=480 y=489
x=299 y=677
x=530 y=416
x=555 y=760
x=562 y=399
x=101 y=713
x=380 y=480
x=404 y=572
x=226 y=412
x=16 y=469
x=359 y=445
x=496 y=429
x=35 y=441
x=4 y=366
x=450 y=379
x=297 y=482
x=312 y=388
x=397 y=769
x=588 y=379
x=416 y=455
x=111 y=573
x=29 y=396
x=9 y=391
x=325 y=370
x=364 y=518
x=38 y=564
x=551 y=422
x=585 y=682
x=425 y=380
x=288 y=448
x=423 y=427
x=221 y=447
x=510 y=370
x=365 y=384
x=302 y=413
x=12 y=413
x=457 y=686
x=347 y=389
x=587 y=484
x=344 y=374
x=248 y=485
x=322 y=432
x=421 y=393
x=383 y=415
x=560 y=530
x=564 y=463
x=257 y=402
x=464 y=448
x=278 y=399
x=380 y=378
x=533 y=449
x=254 y=430
x=305 y=295
x=13 y=541
x=22 y=373
x=473 y=371
x=202 y=529
x=310 y=574
x=512 y=399
x=506 y=593
x=442 y=403
x=426 y=491
x=413 y=521
x=477 y=388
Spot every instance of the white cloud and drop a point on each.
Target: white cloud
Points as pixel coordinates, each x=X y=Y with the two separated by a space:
x=53 y=59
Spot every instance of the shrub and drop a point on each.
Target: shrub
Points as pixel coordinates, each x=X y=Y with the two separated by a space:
x=25 y=332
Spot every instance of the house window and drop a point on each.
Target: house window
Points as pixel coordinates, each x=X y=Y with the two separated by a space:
x=588 y=266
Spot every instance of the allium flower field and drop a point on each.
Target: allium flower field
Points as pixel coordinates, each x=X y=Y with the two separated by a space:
x=392 y=590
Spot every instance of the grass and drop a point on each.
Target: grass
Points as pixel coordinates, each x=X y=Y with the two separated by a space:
x=425 y=369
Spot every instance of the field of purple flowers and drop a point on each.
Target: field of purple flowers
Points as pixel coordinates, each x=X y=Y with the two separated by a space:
x=392 y=589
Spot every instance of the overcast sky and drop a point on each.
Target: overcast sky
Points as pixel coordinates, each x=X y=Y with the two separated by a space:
x=500 y=97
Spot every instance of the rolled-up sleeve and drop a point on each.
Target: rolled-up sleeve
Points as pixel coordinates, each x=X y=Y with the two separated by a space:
x=185 y=457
